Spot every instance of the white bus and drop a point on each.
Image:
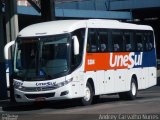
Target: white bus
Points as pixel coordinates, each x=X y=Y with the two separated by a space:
x=69 y=59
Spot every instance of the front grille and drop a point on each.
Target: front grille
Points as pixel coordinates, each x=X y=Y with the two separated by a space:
x=34 y=89
x=33 y=96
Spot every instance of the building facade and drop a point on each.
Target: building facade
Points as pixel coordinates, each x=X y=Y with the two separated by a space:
x=26 y=3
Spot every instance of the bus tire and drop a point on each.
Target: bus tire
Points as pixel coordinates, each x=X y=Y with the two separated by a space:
x=130 y=95
x=87 y=99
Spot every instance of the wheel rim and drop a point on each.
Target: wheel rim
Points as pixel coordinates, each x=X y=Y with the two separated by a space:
x=134 y=89
x=87 y=94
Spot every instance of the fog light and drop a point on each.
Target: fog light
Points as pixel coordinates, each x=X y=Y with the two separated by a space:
x=64 y=93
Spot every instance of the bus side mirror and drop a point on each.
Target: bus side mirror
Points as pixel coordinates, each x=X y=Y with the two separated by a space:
x=7 y=48
x=75 y=45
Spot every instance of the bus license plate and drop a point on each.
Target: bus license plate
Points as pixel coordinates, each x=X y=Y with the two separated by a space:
x=40 y=99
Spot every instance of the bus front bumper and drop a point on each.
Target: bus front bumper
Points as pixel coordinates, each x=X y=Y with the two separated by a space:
x=58 y=94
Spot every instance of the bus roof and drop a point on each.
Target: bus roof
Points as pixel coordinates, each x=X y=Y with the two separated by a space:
x=67 y=26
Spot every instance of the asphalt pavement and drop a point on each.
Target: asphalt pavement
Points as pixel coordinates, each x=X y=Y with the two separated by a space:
x=109 y=107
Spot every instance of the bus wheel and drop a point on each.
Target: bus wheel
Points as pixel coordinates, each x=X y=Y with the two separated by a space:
x=133 y=92
x=130 y=95
x=87 y=99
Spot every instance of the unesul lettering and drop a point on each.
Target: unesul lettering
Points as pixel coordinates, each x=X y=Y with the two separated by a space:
x=46 y=84
x=128 y=61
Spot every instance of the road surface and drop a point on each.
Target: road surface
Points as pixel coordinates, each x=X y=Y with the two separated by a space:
x=109 y=107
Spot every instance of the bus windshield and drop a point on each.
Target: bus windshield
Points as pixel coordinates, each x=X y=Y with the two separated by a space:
x=40 y=57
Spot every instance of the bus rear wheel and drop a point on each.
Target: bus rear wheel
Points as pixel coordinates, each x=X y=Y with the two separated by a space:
x=87 y=99
x=130 y=95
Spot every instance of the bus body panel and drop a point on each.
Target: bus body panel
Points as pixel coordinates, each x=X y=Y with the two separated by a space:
x=75 y=88
x=111 y=72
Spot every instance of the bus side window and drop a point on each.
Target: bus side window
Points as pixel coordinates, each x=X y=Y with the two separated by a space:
x=117 y=39
x=139 y=41
x=128 y=43
x=92 y=43
x=149 y=41
x=103 y=39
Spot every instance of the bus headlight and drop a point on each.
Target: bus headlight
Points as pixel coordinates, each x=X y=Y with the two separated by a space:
x=61 y=84
x=17 y=85
x=45 y=88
